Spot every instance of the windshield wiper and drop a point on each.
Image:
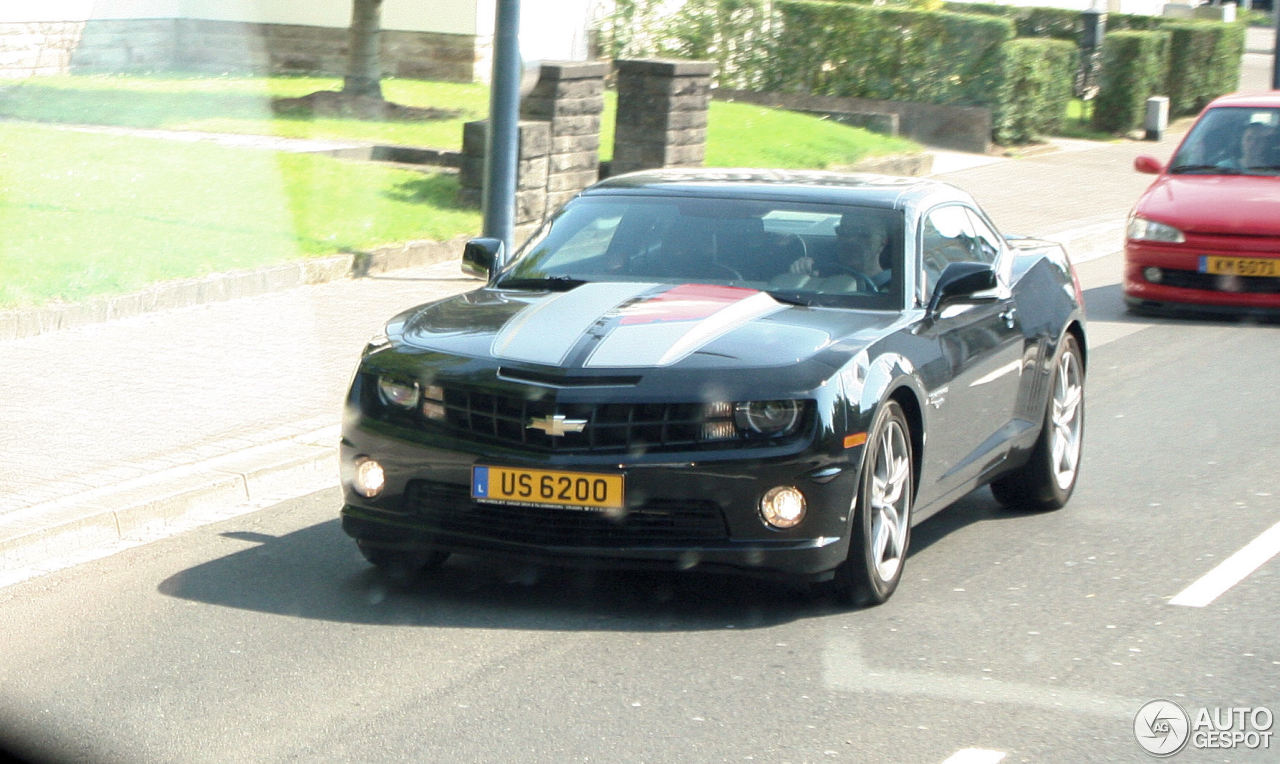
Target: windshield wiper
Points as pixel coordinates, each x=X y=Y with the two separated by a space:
x=552 y=283
x=1218 y=169
x=791 y=298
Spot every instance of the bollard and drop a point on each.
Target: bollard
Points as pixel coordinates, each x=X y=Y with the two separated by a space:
x=1157 y=117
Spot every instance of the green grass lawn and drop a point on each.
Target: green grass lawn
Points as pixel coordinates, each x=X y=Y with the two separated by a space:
x=87 y=213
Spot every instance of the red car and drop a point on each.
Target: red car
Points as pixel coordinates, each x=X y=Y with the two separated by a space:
x=1206 y=234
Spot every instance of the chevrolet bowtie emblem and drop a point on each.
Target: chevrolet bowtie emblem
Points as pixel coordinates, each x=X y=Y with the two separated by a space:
x=557 y=425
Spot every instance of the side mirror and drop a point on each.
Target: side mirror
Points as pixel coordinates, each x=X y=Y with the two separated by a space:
x=483 y=257
x=1148 y=164
x=961 y=282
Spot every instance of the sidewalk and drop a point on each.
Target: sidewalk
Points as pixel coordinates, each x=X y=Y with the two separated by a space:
x=122 y=431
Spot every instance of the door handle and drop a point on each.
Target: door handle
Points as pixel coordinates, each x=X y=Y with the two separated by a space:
x=1008 y=316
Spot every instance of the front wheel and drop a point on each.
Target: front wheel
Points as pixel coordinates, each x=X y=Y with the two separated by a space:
x=882 y=513
x=1048 y=478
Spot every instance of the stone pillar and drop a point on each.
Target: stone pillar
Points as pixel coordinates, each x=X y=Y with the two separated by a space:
x=531 y=173
x=662 y=114
x=569 y=96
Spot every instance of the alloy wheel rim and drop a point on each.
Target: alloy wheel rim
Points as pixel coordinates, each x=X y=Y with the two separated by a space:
x=1066 y=420
x=889 y=502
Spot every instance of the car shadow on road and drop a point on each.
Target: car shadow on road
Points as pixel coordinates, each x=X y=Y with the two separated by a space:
x=317 y=573
x=1106 y=303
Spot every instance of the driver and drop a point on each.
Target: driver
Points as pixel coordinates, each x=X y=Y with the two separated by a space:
x=1255 y=146
x=860 y=243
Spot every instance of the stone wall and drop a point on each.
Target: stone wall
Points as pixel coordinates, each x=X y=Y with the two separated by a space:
x=569 y=97
x=662 y=114
x=962 y=128
x=532 y=163
x=59 y=47
x=195 y=45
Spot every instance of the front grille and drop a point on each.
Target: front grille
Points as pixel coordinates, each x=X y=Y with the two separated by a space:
x=448 y=508
x=1216 y=283
x=534 y=419
x=606 y=427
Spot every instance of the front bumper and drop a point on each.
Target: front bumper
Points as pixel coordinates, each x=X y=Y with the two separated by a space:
x=1184 y=284
x=679 y=515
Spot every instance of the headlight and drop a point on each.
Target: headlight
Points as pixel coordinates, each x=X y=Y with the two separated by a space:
x=397 y=393
x=1141 y=229
x=771 y=418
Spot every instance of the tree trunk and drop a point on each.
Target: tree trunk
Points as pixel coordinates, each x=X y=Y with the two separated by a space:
x=364 y=68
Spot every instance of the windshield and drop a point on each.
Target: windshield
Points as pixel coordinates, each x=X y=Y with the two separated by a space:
x=813 y=254
x=1232 y=141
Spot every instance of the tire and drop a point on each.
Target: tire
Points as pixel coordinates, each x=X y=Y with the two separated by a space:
x=402 y=564
x=1048 y=478
x=881 y=513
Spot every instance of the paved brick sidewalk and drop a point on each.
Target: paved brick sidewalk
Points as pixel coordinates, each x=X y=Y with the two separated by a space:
x=111 y=428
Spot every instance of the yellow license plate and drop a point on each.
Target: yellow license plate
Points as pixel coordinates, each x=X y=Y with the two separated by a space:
x=1240 y=266
x=547 y=488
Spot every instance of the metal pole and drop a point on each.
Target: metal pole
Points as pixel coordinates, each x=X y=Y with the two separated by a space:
x=1275 y=48
x=502 y=148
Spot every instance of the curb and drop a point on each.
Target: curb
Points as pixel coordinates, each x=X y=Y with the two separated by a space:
x=49 y=536
x=19 y=323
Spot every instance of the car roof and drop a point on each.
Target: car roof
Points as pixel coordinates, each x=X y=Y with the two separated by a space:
x=863 y=189
x=1249 y=100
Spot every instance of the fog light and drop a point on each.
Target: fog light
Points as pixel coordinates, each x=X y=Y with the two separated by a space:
x=1153 y=274
x=782 y=507
x=369 y=479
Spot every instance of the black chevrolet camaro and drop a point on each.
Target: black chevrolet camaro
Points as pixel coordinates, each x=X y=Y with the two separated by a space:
x=765 y=372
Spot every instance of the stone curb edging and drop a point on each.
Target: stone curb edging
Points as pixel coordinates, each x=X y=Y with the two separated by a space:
x=19 y=323
x=167 y=502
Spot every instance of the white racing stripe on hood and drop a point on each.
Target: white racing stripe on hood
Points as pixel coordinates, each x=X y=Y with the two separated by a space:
x=547 y=331
x=667 y=342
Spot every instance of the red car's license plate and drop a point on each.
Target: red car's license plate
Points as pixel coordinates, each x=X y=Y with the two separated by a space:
x=1240 y=266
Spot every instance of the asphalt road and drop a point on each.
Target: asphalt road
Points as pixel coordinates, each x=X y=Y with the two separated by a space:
x=1038 y=636
x=1015 y=637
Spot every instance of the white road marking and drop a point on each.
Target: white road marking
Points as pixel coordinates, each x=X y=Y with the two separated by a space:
x=844 y=669
x=1090 y=242
x=1231 y=571
x=975 y=756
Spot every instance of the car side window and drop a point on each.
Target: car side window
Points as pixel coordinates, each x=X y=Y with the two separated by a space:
x=986 y=243
x=953 y=233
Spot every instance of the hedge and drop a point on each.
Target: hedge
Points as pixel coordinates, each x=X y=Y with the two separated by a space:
x=896 y=52
x=1134 y=67
x=1204 y=63
x=1057 y=23
x=1036 y=88
x=847 y=49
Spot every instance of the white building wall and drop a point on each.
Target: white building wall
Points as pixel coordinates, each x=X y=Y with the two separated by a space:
x=550 y=29
x=1146 y=7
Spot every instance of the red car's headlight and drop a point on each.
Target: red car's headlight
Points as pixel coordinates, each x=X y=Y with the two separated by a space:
x=1141 y=229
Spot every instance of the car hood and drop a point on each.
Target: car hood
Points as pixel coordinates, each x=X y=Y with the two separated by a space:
x=611 y=325
x=1235 y=204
